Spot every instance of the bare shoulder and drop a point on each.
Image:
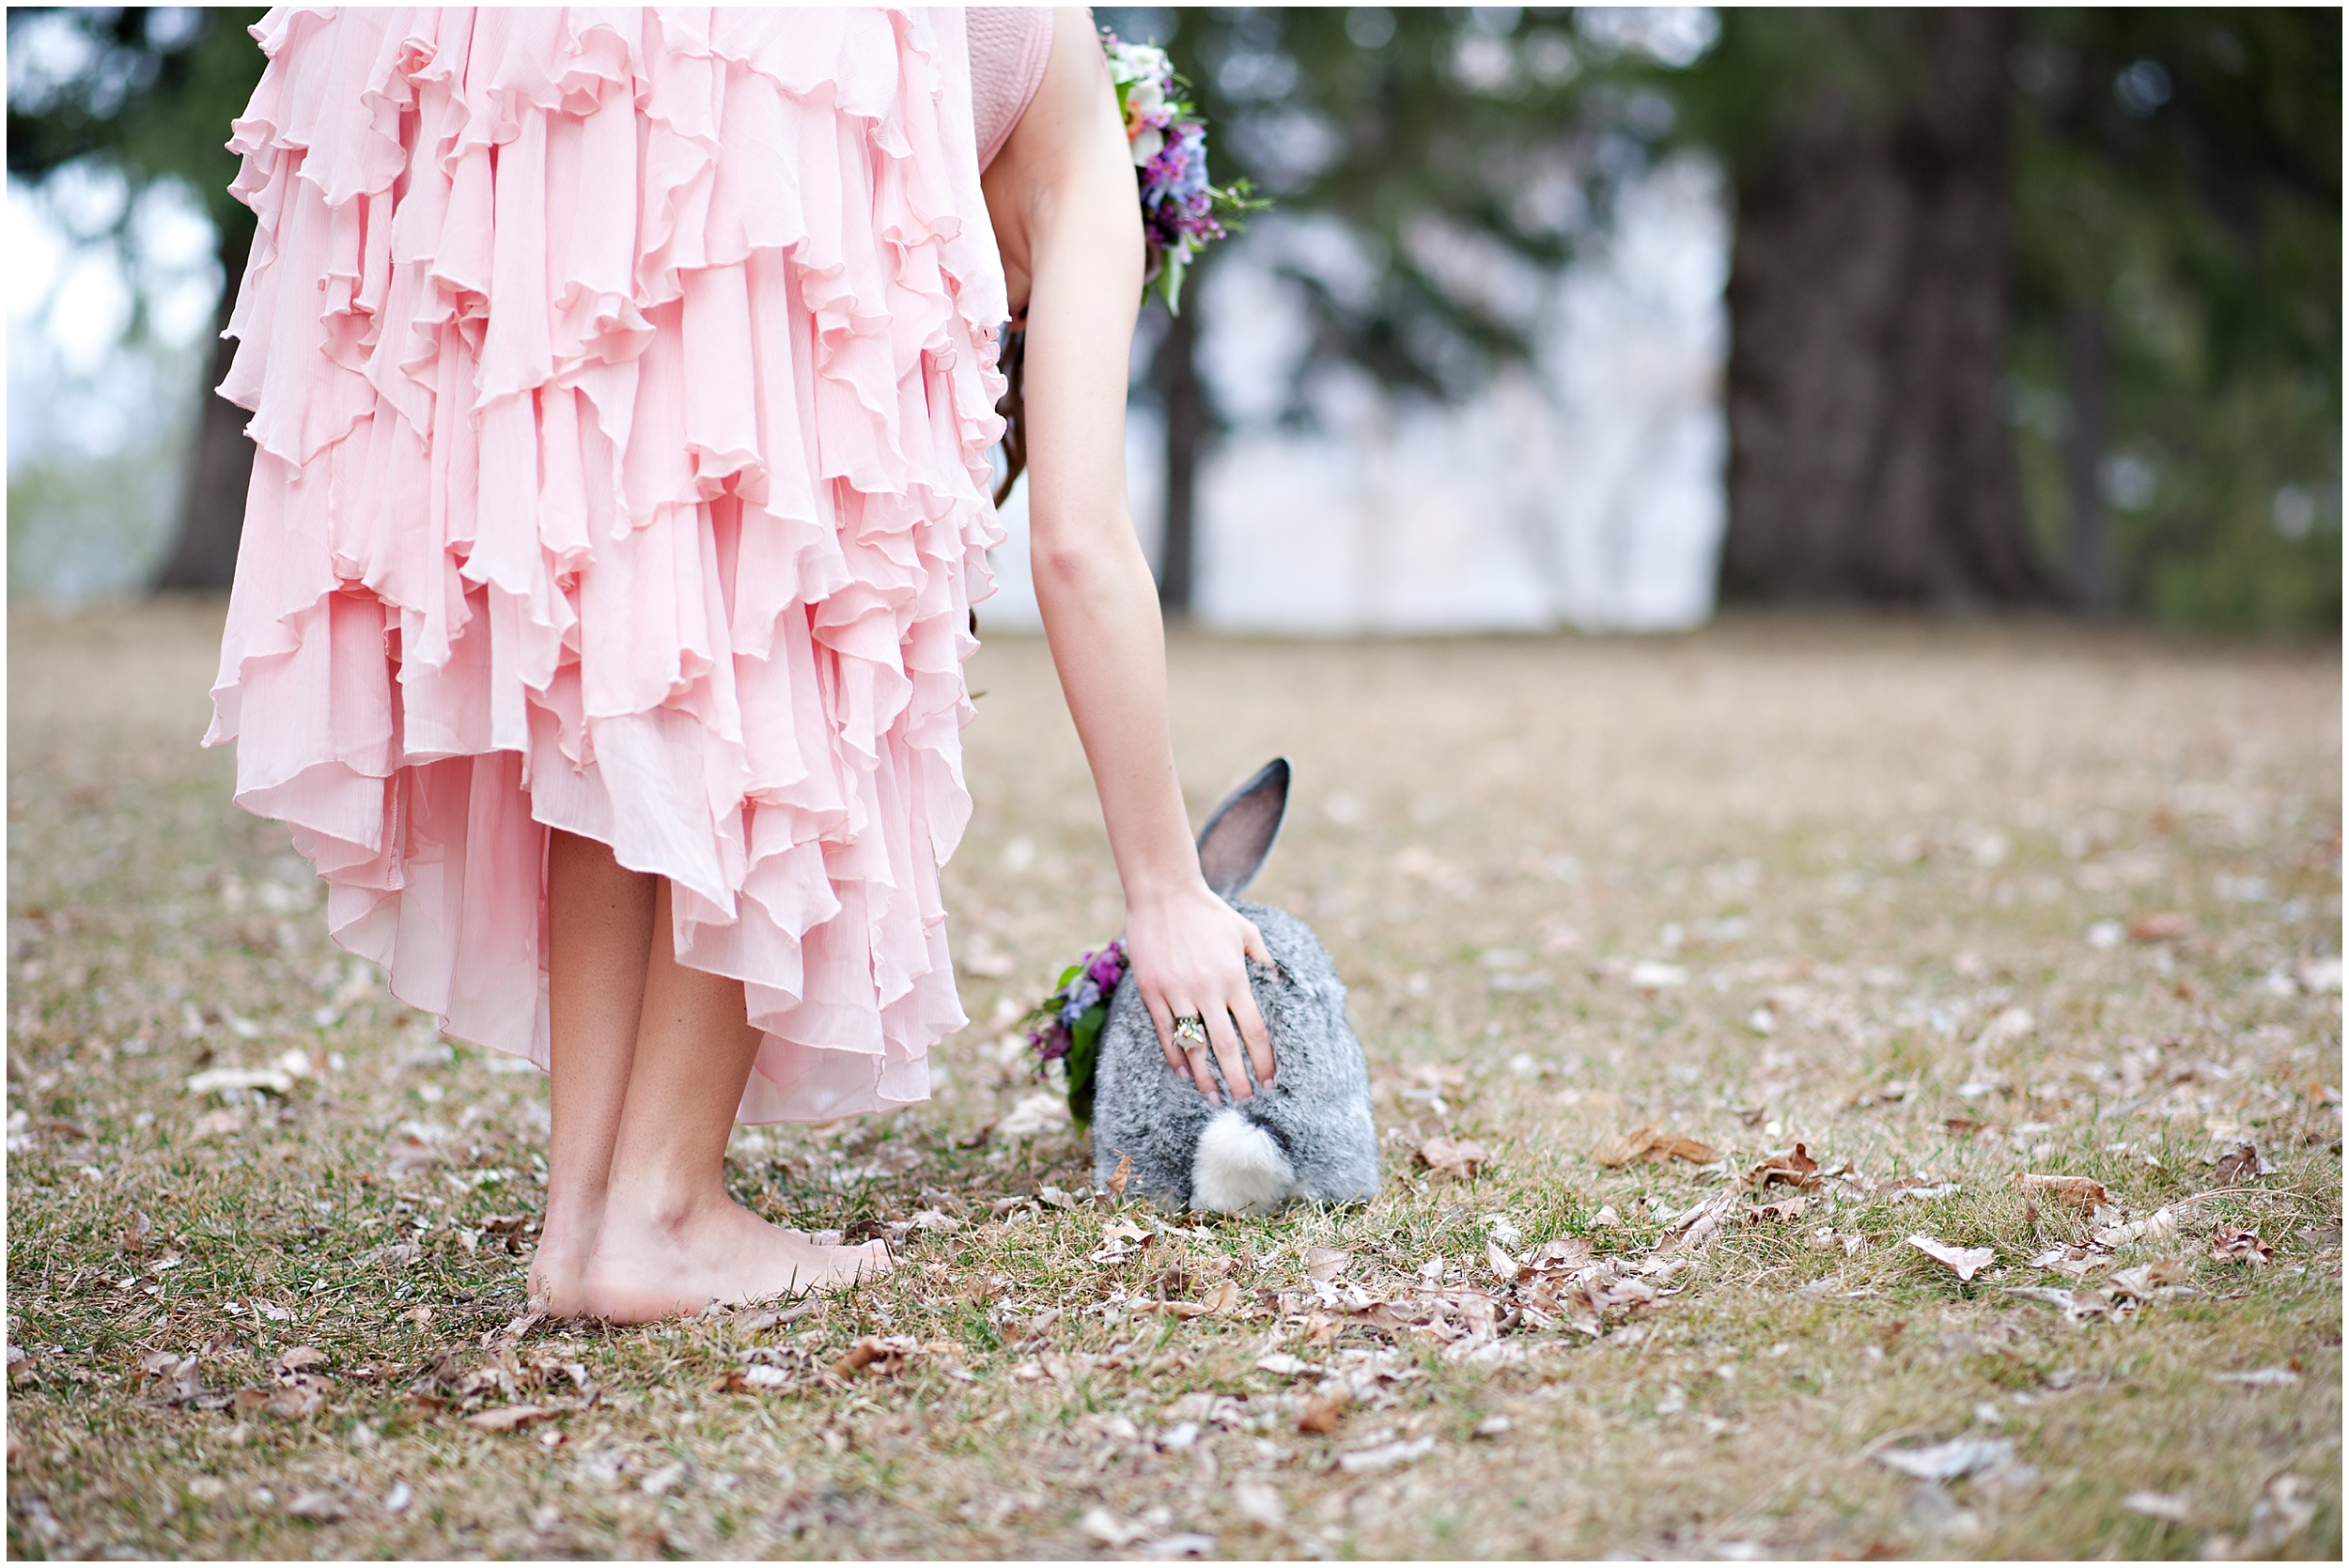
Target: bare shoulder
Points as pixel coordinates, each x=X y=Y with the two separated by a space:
x=1067 y=151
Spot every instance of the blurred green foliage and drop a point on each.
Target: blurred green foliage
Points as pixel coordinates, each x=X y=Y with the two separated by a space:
x=149 y=91
x=2177 y=181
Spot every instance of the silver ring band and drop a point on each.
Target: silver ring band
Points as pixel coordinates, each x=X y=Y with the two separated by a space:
x=1192 y=1029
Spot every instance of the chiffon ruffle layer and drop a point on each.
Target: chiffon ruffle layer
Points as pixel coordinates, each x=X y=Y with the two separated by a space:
x=622 y=384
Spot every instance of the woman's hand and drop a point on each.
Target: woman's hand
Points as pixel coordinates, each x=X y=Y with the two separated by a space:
x=1188 y=949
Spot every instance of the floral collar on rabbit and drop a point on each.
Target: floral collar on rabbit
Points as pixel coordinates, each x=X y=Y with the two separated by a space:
x=1066 y=1027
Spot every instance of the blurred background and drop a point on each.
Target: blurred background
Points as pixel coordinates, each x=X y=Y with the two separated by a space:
x=1599 y=318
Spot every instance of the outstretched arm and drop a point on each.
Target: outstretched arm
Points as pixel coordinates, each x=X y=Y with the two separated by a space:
x=1062 y=196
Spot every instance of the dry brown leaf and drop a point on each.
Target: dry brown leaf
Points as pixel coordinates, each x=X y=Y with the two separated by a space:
x=2239 y=1164
x=1965 y=1262
x=410 y=1157
x=1651 y=1144
x=510 y=1417
x=301 y=1355
x=2079 y=1193
x=1565 y=1253
x=1964 y=1126
x=1323 y=1411
x=1794 y=1166
x=1785 y=1209
x=1504 y=1268
x=1119 y=1177
x=1325 y=1263
x=1223 y=1298
x=292 y=1404
x=2148 y=1279
x=1458 y=1158
x=2233 y=1244
x=2164 y=927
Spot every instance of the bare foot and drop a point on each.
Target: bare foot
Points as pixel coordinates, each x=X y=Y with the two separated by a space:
x=644 y=1266
x=556 y=1268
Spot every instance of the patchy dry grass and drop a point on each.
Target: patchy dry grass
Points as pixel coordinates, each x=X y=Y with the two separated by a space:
x=1867 y=889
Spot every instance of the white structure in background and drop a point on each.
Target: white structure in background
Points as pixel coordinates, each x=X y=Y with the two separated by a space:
x=1585 y=490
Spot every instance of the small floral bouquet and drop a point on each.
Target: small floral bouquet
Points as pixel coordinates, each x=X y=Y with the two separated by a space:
x=1065 y=1026
x=1180 y=212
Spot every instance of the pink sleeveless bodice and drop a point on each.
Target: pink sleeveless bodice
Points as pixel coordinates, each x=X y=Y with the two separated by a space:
x=1010 y=46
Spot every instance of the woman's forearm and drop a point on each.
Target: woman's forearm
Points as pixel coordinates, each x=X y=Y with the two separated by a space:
x=1101 y=615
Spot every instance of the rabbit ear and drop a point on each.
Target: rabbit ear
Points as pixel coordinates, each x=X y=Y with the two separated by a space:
x=1234 y=844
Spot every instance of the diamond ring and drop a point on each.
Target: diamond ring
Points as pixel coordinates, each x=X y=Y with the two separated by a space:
x=1191 y=1030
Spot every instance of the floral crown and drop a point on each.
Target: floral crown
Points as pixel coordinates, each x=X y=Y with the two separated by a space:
x=1066 y=1027
x=1180 y=212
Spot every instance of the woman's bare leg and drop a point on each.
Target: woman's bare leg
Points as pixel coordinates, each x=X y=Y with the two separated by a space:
x=671 y=1238
x=599 y=921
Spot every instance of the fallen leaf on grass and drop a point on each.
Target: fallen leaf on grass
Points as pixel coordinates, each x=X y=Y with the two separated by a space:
x=1566 y=1254
x=2265 y=1377
x=1763 y=1214
x=1325 y=1263
x=2166 y=927
x=1281 y=1364
x=1648 y=1143
x=1386 y=1456
x=1223 y=1299
x=1119 y=1177
x=1259 y=1504
x=2168 y=1507
x=2233 y=1244
x=1918 y=1186
x=1694 y=1228
x=318 y=1507
x=301 y=1355
x=1793 y=1166
x=1963 y=1261
x=410 y=1157
x=2079 y=1193
x=1446 y=1157
x=2078 y=1261
x=1110 y=1530
x=510 y=1417
x=217 y=1080
x=2240 y=1163
x=2081 y=1306
x=1323 y=1411
x=1960 y=1456
x=1504 y=1268
x=2150 y=1279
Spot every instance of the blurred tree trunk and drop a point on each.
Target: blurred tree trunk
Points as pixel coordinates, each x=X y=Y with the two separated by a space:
x=1870 y=457
x=2088 y=373
x=1188 y=422
x=211 y=515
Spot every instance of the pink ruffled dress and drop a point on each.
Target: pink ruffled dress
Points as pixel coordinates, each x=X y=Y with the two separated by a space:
x=623 y=383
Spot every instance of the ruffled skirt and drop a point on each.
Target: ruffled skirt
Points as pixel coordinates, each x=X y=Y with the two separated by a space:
x=622 y=384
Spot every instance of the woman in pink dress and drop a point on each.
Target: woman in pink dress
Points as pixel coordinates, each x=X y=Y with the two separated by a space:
x=624 y=383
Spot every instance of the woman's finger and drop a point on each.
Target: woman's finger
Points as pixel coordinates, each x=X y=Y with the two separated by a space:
x=1258 y=1038
x=1163 y=1016
x=1195 y=1063
x=1229 y=1053
x=1255 y=946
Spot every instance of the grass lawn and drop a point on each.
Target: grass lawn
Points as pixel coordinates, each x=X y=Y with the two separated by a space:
x=1941 y=904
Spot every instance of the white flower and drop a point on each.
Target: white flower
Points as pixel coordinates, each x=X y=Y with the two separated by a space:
x=1132 y=62
x=1148 y=144
x=1145 y=96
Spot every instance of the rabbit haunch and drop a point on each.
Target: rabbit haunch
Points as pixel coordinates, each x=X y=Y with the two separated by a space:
x=1310 y=1134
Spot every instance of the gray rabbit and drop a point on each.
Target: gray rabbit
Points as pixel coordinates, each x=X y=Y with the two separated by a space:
x=1310 y=1136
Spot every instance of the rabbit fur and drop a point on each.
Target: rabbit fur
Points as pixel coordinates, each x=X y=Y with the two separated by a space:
x=1310 y=1136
